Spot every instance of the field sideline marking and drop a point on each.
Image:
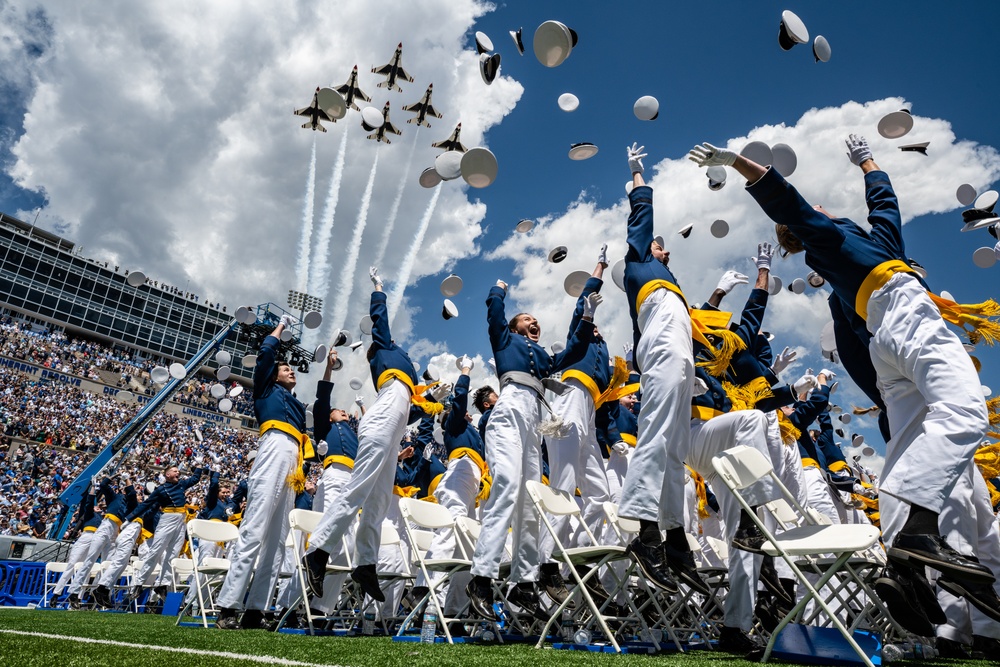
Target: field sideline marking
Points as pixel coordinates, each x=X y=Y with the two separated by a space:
x=172 y=649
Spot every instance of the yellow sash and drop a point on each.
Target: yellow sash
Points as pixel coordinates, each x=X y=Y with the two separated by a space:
x=701 y=491
x=143 y=536
x=837 y=466
x=434 y=485
x=115 y=520
x=809 y=463
x=89 y=529
x=338 y=458
x=297 y=478
x=236 y=518
x=472 y=454
x=416 y=391
x=700 y=319
x=746 y=396
x=406 y=491
x=790 y=433
x=616 y=386
x=704 y=413
x=628 y=439
x=175 y=510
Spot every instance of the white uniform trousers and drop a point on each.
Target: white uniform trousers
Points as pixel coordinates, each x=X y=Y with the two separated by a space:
x=709 y=439
x=335 y=478
x=77 y=554
x=575 y=462
x=117 y=561
x=818 y=494
x=514 y=455
x=654 y=485
x=617 y=469
x=937 y=413
x=393 y=559
x=379 y=434
x=456 y=492
x=968 y=523
x=164 y=547
x=264 y=527
x=100 y=545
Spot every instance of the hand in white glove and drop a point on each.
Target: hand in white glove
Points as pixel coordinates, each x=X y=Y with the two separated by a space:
x=805 y=383
x=602 y=258
x=707 y=155
x=359 y=400
x=440 y=391
x=784 y=358
x=857 y=149
x=620 y=448
x=502 y=285
x=287 y=320
x=590 y=304
x=125 y=478
x=635 y=155
x=731 y=279
x=322 y=447
x=698 y=386
x=94 y=483
x=828 y=373
x=465 y=361
x=199 y=459
x=375 y=277
x=764 y=254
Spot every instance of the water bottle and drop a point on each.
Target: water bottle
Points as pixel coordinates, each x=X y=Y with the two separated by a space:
x=566 y=628
x=891 y=653
x=488 y=636
x=368 y=624
x=429 y=627
x=582 y=637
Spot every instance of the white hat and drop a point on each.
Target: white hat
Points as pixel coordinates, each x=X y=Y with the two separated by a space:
x=332 y=103
x=177 y=371
x=821 y=49
x=966 y=194
x=223 y=358
x=451 y=285
x=558 y=254
x=483 y=43
x=236 y=391
x=431 y=373
x=792 y=31
x=286 y=335
x=685 y=231
x=245 y=315
x=646 y=108
x=356 y=345
x=366 y=325
x=429 y=177
x=491 y=362
x=225 y=405
x=629 y=184
x=524 y=226
x=945 y=294
x=449 y=165
x=720 y=228
x=986 y=201
x=815 y=280
x=582 y=151
x=916 y=148
x=371 y=118
x=136 y=278
x=518 y=42
x=857 y=440
x=867 y=450
x=716 y=177
x=356 y=384
x=568 y=102
x=312 y=319
x=784 y=159
x=125 y=396
x=320 y=353
x=342 y=338
x=489 y=67
x=797 y=286
x=553 y=43
x=984 y=257
x=916 y=266
x=449 y=309
x=986 y=390
x=828 y=341
x=896 y=124
x=478 y=167
x=249 y=360
x=575 y=282
x=618 y=274
x=150 y=487
x=773 y=284
x=159 y=374
x=223 y=373
x=251 y=455
x=217 y=391
x=557 y=347
x=310 y=422
x=759 y=152
x=845 y=418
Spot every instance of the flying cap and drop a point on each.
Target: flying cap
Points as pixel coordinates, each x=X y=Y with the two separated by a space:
x=797 y=286
x=558 y=254
x=236 y=391
x=895 y=125
x=249 y=360
x=568 y=102
x=685 y=231
x=984 y=258
x=431 y=374
x=136 y=278
x=177 y=371
x=332 y=103
x=338 y=364
x=223 y=373
x=557 y=347
x=217 y=391
x=371 y=118
x=784 y=159
x=716 y=177
x=524 y=226
x=355 y=346
x=553 y=43
x=759 y=152
x=223 y=358
x=582 y=151
x=518 y=42
x=286 y=335
x=451 y=285
x=629 y=184
x=845 y=418
x=125 y=397
x=815 y=280
x=429 y=178
x=366 y=325
x=986 y=201
x=449 y=165
x=821 y=49
x=241 y=315
x=356 y=384
x=916 y=148
x=483 y=43
x=916 y=266
x=489 y=67
x=618 y=274
x=646 y=108
x=342 y=338
x=867 y=450
x=828 y=341
x=720 y=228
x=977 y=219
x=225 y=405
x=773 y=284
x=966 y=194
x=478 y=167
x=320 y=353
x=449 y=309
x=150 y=487
x=312 y=319
x=792 y=31
x=986 y=390
x=575 y=282
x=945 y=294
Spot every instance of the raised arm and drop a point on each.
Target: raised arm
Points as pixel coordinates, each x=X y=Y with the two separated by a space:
x=381 y=337
x=267 y=361
x=456 y=423
x=193 y=479
x=593 y=286
x=212 y=497
x=496 y=317
x=578 y=343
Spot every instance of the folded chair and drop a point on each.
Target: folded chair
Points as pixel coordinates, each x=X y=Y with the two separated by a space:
x=207 y=571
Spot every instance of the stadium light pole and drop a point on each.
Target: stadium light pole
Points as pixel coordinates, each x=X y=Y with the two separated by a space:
x=302 y=302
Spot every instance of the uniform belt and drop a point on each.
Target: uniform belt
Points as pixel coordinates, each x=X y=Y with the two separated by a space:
x=704 y=413
x=89 y=529
x=434 y=484
x=586 y=381
x=338 y=458
x=700 y=319
x=628 y=439
x=406 y=491
x=143 y=536
x=175 y=510
x=416 y=390
x=837 y=466
x=115 y=520
x=809 y=463
x=297 y=478
x=472 y=454
x=876 y=280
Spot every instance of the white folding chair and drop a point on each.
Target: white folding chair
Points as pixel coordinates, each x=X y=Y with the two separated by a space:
x=740 y=467
x=181 y=570
x=52 y=568
x=211 y=568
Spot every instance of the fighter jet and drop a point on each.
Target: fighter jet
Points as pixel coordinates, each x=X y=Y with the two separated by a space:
x=351 y=91
x=451 y=143
x=315 y=114
x=423 y=108
x=379 y=134
x=393 y=71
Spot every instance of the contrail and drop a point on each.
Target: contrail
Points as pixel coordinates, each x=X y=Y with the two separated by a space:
x=320 y=276
x=396 y=296
x=394 y=211
x=302 y=266
x=347 y=272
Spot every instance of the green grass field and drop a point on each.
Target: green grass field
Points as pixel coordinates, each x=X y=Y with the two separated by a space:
x=146 y=631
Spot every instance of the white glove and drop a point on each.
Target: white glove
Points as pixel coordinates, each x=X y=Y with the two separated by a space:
x=428 y=452
x=828 y=373
x=199 y=459
x=857 y=149
x=465 y=361
x=125 y=478
x=602 y=258
x=215 y=457
x=707 y=155
x=764 y=254
x=996 y=250
x=627 y=348
x=287 y=320
x=376 y=278
x=440 y=391
x=805 y=383
x=94 y=483
x=698 y=386
x=502 y=285
x=322 y=447
x=784 y=358
x=359 y=400
x=590 y=304
x=731 y=279
x=635 y=155
x=620 y=448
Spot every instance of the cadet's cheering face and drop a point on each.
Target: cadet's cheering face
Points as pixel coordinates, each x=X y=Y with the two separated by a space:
x=225 y=492
x=528 y=326
x=172 y=474
x=661 y=255
x=627 y=401
x=286 y=377
x=338 y=415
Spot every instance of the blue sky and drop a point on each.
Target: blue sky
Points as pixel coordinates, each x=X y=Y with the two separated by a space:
x=189 y=165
